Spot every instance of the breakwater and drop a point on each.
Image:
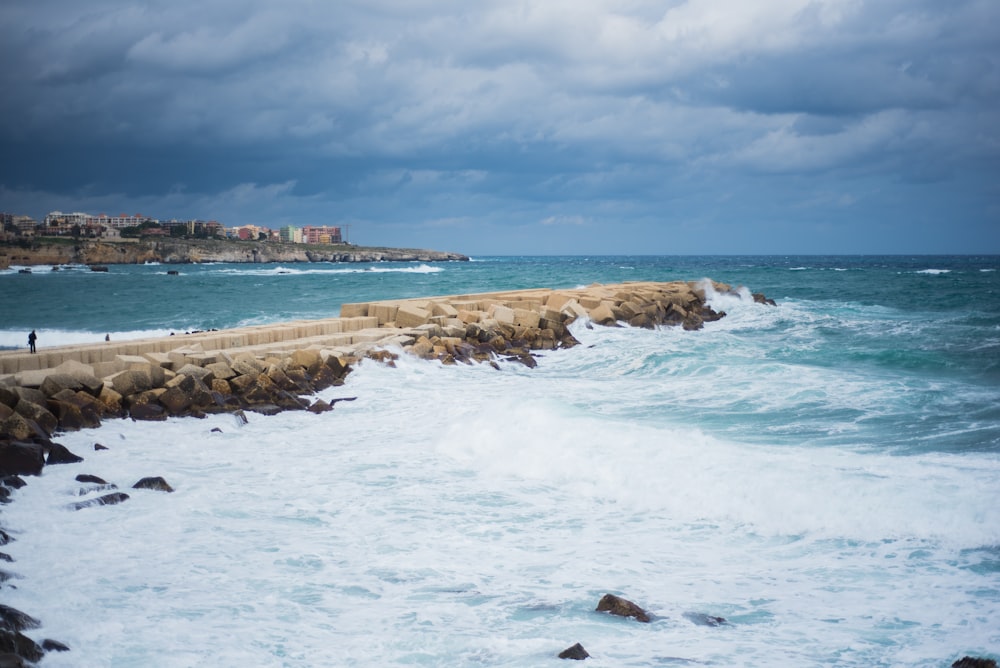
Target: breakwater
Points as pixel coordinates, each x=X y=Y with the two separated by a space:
x=269 y=369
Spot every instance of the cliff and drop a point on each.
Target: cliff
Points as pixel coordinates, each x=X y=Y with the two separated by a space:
x=181 y=251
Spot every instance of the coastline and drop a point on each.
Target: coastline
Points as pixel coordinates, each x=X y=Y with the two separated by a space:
x=183 y=251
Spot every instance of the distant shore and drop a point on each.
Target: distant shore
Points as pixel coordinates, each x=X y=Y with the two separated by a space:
x=183 y=251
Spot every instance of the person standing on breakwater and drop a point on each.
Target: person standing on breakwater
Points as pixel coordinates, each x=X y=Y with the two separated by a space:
x=31 y=340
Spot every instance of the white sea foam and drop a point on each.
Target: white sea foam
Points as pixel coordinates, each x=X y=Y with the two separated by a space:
x=314 y=270
x=933 y=272
x=467 y=516
x=10 y=339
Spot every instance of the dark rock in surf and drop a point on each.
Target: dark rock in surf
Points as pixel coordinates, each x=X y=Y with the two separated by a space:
x=59 y=454
x=106 y=500
x=616 y=605
x=974 y=662
x=576 y=652
x=17 y=458
x=701 y=619
x=153 y=482
x=86 y=477
x=12 y=619
x=50 y=645
x=15 y=642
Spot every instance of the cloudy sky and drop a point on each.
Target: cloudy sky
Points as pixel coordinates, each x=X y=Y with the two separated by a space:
x=517 y=127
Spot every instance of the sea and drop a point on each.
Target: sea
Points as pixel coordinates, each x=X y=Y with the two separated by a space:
x=823 y=475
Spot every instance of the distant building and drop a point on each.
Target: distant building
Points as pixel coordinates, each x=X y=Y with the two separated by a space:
x=312 y=234
x=290 y=234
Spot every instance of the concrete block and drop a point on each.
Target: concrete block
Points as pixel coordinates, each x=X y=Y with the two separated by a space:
x=159 y=359
x=442 y=308
x=525 y=317
x=502 y=314
x=471 y=316
x=603 y=314
x=383 y=312
x=411 y=316
x=574 y=309
x=353 y=310
x=555 y=300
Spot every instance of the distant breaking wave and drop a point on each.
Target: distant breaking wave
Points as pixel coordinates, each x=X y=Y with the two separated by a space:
x=277 y=271
x=934 y=271
x=17 y=339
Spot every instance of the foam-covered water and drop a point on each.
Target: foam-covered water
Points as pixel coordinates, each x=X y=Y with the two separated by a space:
x=822 y=474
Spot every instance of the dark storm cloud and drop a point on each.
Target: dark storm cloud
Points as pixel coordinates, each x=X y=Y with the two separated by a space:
x=440 y=122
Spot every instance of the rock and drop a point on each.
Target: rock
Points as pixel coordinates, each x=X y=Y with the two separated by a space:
x=86 y=477
x=216 y=430
x=98 y=446
x=20 y=428
x=154 y=482
x=12 y=619
x=17 y=458
x=132 y=381
x=701 y=619
x=106 y=500
x=8 y=660
x=5 y=537
x=12 y=481
x=761 y=299
x=50 y=645
x=59 y=454
x=974 y=662
x=576 y=652
x=14 y=642
x=38 y=414
x=150 y=412
x=319 y=406
x=623 y=608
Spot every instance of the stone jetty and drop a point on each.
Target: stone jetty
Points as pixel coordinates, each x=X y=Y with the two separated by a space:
x=275 y=367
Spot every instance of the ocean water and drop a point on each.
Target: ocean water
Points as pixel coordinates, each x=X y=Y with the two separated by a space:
x=825 y=475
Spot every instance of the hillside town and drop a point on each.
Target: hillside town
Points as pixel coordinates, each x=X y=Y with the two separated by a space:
x=14 y=228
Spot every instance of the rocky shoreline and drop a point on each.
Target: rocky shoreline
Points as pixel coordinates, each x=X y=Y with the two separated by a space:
x=183 y=251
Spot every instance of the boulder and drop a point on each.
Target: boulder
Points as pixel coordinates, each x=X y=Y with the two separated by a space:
x=106 y=500
x=220 y=370
x=132 y=381
x=12 y=619
x=16 y=643
x=12 y=481
x=50 y=645
x=154 y=482
x=175 y=400
x=576 y=652
x=38 y=414
x=616 y=605
x=111 y=399
x=57 y=382
x=20 y=428
x=974 y=662
x=60 y=454
x=29 y=394
x=319 y=406
x=17 y=458
x=86 y=477
x=149 y=412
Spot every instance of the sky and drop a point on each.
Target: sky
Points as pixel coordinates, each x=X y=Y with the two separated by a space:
x=506 y=127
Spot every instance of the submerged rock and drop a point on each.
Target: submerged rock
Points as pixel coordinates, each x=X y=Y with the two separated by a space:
x=576 y=652
x=616 y=605
x=106 y=500
x=701 y=619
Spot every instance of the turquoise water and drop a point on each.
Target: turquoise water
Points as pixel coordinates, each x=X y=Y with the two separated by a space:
x=823 y=474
